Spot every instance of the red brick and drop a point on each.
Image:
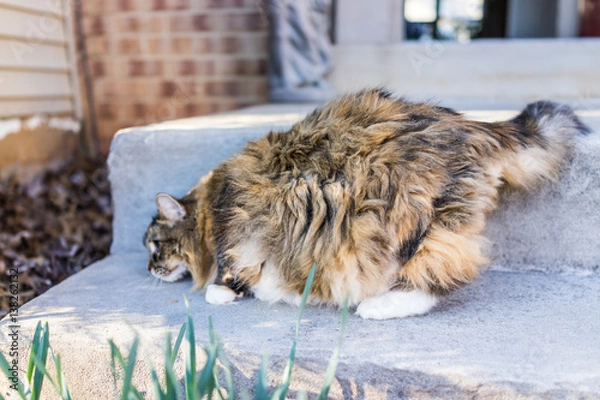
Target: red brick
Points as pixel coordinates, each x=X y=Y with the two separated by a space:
x=178 y=4
x=245 y=22
x=256 y=43
x=181 y=90
x=128 y=24
x=209 y=44
x=141 y=24
x=124 y=89
x=144 y=67
x=226 y=88
x=156 y=45
x=187 y=67
x=159 y=4
x=98 y=68
x=141 y=88
x=105 y=136
x=225 y=3
x=181 y=23
x=129 y=46
x=230 y=44
x=206 y=67
x=126 y=5
x=242 y=67
x=257 y=89
x=186 y=110
x=168 y=88
x=152 y=24
x=263 y=66
x=107 y=89
x=107 y=111
x=195 y=108
x=136 y=67
x=97 y=45
x=201 y=22
x=250 y=67
x=182 y=45
x=92 y=7
x=95 y=26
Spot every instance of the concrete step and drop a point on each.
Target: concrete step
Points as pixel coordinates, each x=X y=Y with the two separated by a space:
x=528 y=328
x=508 y=335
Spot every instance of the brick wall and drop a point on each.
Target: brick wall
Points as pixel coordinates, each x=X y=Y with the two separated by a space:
x=154 y=60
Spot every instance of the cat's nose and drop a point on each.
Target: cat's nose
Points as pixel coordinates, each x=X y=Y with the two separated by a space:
x=149 y=266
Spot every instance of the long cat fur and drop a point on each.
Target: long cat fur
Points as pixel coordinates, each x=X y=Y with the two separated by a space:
x=382 y=194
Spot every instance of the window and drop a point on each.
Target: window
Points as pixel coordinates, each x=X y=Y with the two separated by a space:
x=443 y=19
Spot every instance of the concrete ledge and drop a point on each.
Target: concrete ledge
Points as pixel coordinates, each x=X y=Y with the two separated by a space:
x=506 y=336
x=496 y=72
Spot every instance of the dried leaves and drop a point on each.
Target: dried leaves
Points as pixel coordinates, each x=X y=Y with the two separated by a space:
x=53 y=226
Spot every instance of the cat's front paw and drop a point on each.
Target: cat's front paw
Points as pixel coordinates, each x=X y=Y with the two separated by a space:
x=217 y=294
x=396 y=304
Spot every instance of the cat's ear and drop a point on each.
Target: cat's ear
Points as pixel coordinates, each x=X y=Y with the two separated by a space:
x=169 y=207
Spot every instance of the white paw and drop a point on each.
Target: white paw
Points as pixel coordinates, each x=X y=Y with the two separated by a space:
x=216 y=294
x=396 y=304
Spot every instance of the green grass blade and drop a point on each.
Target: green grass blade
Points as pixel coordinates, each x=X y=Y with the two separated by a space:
x=281 y=391
x=33 y=350
x=5 y=366
x=228 y=375
x=302 y=395
x=214 y=353
x=128 y=391
x=261 y=390
x=206 y=381
x=171 y=382
x=191 y=384
x=128 y=388
x=177 y=344
x=158 y=392
x=61 y=384
x=40 y=356
x=115 y=354
x=335 y=357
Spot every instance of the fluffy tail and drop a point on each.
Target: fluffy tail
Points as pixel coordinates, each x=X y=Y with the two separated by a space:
x=546 y=133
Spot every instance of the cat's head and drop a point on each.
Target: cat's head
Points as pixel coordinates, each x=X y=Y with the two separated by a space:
x=167 y=240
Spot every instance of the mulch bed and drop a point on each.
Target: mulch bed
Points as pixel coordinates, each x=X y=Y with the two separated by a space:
x=53 y=226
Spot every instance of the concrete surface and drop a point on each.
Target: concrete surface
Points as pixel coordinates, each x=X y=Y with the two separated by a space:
x=507 y=335
x=523 y=330
x=492 y=71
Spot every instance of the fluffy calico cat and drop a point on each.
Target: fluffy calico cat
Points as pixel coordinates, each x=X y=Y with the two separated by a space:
x=389 y=198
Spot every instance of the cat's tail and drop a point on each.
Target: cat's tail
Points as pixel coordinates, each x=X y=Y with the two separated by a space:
x=546 y=132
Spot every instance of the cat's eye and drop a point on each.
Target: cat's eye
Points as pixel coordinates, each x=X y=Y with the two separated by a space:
x=156 y=251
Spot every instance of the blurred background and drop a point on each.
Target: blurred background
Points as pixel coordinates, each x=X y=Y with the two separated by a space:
x=74 y=72
x=97 y=66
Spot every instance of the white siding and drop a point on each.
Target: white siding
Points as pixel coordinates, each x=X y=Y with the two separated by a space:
x=37 y=67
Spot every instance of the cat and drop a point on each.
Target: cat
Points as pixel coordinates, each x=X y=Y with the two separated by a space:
x=387 y=197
